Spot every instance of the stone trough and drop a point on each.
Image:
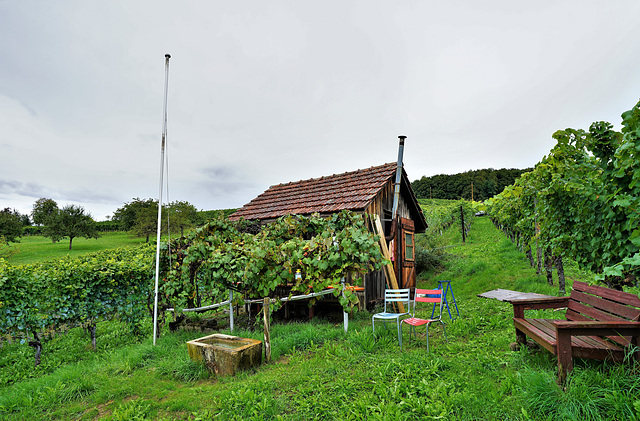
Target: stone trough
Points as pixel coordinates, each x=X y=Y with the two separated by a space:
x=225 y=354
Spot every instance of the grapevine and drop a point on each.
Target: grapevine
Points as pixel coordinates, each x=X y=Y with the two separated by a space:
x=584 y=197
x=235 y=255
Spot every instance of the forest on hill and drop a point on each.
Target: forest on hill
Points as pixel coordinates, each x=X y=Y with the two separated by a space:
x=475 y=185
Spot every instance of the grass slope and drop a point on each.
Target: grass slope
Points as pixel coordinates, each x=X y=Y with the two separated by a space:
x=36 y=248
x=319 y=372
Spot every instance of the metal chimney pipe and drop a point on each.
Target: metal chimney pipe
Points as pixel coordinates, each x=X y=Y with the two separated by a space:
x=396 y=185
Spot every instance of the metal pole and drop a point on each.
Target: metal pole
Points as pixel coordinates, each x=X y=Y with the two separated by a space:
x=164 y=139
x=396 y=193
x=345 y=315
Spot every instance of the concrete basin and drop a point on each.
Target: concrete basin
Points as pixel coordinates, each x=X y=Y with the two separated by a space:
x=226 y=354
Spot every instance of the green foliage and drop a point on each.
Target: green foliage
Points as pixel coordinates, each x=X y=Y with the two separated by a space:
x=318 y=372
x=585 y=198
x=601 y=392
x=481 y=184
x=146 y=220
x=182 y=215
x=68 y=346
x=226 y=255
x=140 y=216
x=128 y=214
x=23 y=305
x=45 y=297
x=6 y=250
x=10 y=225
x=440 y=214
x=43 y=209
x=107 y=226
x=70 y=222
x=134 y=410
x=36 y=248
x=204 y=216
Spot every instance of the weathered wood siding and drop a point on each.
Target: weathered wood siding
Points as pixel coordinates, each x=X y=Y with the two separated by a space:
x=374 y=286
x=384 y=202
x=375 y=282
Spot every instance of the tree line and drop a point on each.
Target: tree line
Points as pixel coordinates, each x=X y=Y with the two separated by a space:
x=57 y=223
x=139 y=216
x=477 y=185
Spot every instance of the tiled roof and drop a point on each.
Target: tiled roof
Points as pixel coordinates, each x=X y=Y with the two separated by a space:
x=351 y=190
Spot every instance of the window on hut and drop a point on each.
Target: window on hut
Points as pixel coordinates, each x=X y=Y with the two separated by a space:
x=409 y=246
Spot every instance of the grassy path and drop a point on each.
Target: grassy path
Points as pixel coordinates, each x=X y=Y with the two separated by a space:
x=320 y=373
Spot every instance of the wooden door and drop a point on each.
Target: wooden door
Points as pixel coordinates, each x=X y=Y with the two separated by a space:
x=406 y=253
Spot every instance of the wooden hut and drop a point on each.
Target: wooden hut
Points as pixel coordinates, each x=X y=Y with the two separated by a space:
x=368 y=190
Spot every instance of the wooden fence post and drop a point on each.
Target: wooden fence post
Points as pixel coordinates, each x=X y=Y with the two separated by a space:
x=462 y=223
x=267 y=334
x=231 y=309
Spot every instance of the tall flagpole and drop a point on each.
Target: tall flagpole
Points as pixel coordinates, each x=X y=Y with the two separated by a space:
x=164 y=139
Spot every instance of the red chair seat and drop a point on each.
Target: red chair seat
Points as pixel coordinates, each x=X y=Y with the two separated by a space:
x=426 y=296
x=414 y=321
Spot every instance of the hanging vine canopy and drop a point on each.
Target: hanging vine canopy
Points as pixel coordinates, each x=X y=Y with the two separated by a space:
x=245 y=256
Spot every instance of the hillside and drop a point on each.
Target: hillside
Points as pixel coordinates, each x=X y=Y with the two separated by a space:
x=318 y=372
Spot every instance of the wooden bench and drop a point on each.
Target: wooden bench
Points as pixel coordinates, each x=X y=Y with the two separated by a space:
x=601 y=324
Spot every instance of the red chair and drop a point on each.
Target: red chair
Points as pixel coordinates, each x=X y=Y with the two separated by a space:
x=432 y=296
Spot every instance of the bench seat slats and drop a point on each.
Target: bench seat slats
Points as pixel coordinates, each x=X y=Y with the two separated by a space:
x=545 y=331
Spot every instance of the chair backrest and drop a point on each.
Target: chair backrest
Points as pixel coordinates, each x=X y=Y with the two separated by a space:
x=433 y=296
x=397 y=296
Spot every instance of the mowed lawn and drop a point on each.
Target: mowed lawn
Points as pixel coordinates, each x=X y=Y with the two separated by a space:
x=36 y=248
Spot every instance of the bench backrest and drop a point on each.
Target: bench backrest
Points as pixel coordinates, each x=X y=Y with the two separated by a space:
x=589 y=302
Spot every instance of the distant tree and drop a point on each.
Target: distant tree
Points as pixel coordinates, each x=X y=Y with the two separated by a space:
x=25 y=220
x=140 y=216
x=182 y=215
x=204 y=216
x=43 y=209
x=70 y=222
x=127 y=215
x=10 y=225
x=147 y=221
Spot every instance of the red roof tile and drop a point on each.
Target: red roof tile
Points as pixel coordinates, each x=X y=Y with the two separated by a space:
x=350 y=190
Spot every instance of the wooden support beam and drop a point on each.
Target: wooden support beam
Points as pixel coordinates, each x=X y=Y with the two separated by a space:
x=388 y=268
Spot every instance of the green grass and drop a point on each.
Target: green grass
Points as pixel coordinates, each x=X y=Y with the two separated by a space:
x=318 y=372
x=36 y=248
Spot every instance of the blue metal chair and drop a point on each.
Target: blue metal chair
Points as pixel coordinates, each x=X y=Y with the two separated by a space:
x=392 y=299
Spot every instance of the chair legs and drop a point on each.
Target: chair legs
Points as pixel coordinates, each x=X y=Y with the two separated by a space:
x=384 y=322
x=444 y=330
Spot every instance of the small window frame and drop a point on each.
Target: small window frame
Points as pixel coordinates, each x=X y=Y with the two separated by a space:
x=409 y=247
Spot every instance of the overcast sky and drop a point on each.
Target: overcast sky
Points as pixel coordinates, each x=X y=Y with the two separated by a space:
x=266 y=92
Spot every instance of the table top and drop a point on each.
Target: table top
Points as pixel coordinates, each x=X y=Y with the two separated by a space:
x=508 y=295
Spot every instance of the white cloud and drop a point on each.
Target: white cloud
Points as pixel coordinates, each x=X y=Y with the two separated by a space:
x=267 y=92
